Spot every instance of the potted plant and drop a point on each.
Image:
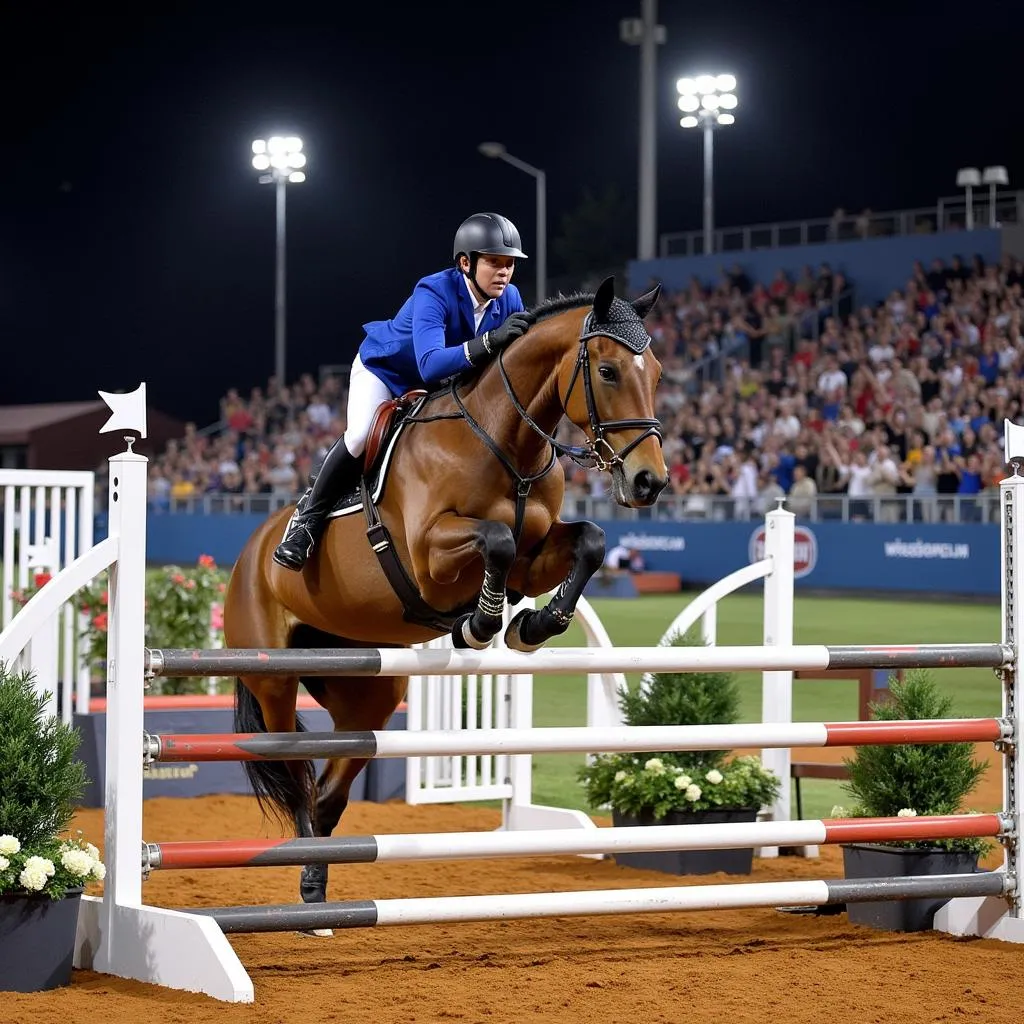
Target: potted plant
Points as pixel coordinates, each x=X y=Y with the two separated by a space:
x=908 y=780
x=681 y=788
x=42 y=870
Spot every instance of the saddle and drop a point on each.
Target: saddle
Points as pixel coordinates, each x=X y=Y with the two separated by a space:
x=384 y=418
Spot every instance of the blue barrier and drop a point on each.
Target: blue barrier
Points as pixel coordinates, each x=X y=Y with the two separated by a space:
x=918 y=557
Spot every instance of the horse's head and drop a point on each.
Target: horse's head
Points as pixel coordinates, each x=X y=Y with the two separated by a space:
x=608 y=392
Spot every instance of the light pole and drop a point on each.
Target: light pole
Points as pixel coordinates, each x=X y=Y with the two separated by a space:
x=497 y=151
x=281 y=160
x=707 y=101
x=969 y=178
x=645 y=32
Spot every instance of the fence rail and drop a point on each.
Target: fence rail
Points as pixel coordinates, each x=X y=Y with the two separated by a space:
x=947 y=214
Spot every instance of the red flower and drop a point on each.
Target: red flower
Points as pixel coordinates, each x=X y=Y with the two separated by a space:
x=216 y=616
x=178 y=579
x=100 y=622
x=221 y=587
x=103 y=597
x=207 y=562
x=42 y=578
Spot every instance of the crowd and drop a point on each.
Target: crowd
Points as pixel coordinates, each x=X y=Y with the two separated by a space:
x=779 y=388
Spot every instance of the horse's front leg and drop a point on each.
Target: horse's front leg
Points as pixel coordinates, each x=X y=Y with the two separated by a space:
x=454 y=542
x=572 y=553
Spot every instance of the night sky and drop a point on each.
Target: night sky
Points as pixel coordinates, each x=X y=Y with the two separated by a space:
x=135 y=242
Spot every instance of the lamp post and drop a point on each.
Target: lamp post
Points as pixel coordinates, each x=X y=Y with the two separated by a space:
x=280 y=159
x=708 y=102
x=497 y=151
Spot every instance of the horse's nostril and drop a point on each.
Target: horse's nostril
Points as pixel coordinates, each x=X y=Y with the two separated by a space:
x=647 y=486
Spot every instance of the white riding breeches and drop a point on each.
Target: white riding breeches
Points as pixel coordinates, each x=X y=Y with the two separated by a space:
x=366 y=393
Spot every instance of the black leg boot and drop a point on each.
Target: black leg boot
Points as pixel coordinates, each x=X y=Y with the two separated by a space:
x=339 y=473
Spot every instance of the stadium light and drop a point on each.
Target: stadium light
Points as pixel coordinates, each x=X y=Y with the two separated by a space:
x=280 y=161
x=708 y=102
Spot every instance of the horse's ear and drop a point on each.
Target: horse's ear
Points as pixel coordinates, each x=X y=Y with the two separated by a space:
x=647 y=302
x=603 y=300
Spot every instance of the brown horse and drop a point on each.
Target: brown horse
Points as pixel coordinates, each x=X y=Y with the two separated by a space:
x=471 y=509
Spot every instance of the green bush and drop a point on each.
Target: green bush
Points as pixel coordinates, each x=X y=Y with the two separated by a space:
x=912 y=779
x=659 y=782
x=42 y=782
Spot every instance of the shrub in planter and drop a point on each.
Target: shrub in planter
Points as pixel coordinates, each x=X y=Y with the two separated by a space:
x=687 y=787
x=42 y=871
x=907 y=780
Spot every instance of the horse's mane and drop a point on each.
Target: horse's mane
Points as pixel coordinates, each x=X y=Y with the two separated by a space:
x=561 y=303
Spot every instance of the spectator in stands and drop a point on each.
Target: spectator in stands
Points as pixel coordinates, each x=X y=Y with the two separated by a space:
x=930 y=373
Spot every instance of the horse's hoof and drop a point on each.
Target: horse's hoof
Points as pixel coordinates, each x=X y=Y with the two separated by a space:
x=513 y=639
x=463 y=637
x=317 y=933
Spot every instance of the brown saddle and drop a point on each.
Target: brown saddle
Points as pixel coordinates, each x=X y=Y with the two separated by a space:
x=382 y=420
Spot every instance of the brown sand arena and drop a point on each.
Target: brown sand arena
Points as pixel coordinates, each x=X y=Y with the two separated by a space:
x=726 y=966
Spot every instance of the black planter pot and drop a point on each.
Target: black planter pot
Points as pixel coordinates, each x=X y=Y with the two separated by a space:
x=870 y=860
x=37 y=941
x=689 y=862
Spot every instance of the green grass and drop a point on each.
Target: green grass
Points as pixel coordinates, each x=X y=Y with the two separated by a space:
x=561 y=700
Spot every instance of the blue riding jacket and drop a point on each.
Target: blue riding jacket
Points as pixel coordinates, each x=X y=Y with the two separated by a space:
x=422 y=345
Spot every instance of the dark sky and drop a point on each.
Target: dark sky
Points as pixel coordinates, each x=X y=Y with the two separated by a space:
x=136 y=244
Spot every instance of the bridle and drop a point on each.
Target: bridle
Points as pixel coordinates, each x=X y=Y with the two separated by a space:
x=598 y=452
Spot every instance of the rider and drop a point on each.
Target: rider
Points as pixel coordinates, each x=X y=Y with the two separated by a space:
x=454 y=320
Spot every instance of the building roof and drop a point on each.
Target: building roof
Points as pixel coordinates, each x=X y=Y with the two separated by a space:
x=18 y=421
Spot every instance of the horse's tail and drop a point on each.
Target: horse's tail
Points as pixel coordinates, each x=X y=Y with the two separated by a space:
x=282 y=788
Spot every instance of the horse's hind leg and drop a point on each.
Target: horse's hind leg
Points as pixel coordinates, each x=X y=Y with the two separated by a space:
x=354 y=703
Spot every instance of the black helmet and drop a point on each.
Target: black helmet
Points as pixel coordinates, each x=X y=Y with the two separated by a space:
x=490 y=233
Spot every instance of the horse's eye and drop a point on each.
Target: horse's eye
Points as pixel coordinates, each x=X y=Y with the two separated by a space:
x=607 y=373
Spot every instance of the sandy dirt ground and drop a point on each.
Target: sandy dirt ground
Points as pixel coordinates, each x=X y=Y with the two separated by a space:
x=724 y=966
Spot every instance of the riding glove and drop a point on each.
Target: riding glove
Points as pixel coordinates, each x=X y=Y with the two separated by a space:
x=483 y=346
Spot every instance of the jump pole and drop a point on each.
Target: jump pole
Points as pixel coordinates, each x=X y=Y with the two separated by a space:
x=565 y=660
x=369 y=849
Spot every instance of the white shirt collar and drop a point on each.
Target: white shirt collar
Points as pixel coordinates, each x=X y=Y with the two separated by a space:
x=479 y=308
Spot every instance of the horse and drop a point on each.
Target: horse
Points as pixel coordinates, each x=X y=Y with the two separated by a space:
x=469 y=517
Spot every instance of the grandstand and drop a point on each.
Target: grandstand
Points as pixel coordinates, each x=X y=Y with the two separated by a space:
x=881 y=411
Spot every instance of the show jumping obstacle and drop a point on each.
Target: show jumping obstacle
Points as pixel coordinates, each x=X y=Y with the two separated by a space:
x=189 y=950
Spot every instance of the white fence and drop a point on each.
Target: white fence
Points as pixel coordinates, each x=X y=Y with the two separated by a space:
x=47 y=524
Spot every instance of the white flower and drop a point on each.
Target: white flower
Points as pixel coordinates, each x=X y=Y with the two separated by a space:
x=92 y=851
x=683 y=781
x=838 y=811
x=620 y=775
x=4 y=863
x=99 y=872
x=32 y=878
x=78 y=862
x=44 y=865
x=714 y=776
x=693 y=793
x=906 y=812
x=8 y=844
x=655 y=766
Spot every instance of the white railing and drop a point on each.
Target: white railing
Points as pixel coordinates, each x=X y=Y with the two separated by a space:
x=948 y=213
x=47 y=524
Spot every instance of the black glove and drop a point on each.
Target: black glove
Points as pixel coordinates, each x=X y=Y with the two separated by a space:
x=482 y=347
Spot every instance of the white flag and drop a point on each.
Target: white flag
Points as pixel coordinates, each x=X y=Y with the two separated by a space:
x=127 y=412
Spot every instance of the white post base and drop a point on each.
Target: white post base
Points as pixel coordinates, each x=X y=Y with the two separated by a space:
x=535 y=816
x=984 y=916
x=161 y=947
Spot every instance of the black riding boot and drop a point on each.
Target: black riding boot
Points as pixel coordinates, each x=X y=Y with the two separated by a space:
x=339 y=473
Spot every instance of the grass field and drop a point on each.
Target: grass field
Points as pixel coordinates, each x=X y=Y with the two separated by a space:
x=561 y=700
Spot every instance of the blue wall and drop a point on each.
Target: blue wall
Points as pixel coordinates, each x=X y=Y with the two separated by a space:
x=875 y=265
x=830 y=556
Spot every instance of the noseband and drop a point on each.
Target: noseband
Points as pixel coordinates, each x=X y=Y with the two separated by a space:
x=598 y=452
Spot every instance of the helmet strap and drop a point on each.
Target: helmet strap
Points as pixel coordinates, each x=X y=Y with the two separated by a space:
x=481 y=295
